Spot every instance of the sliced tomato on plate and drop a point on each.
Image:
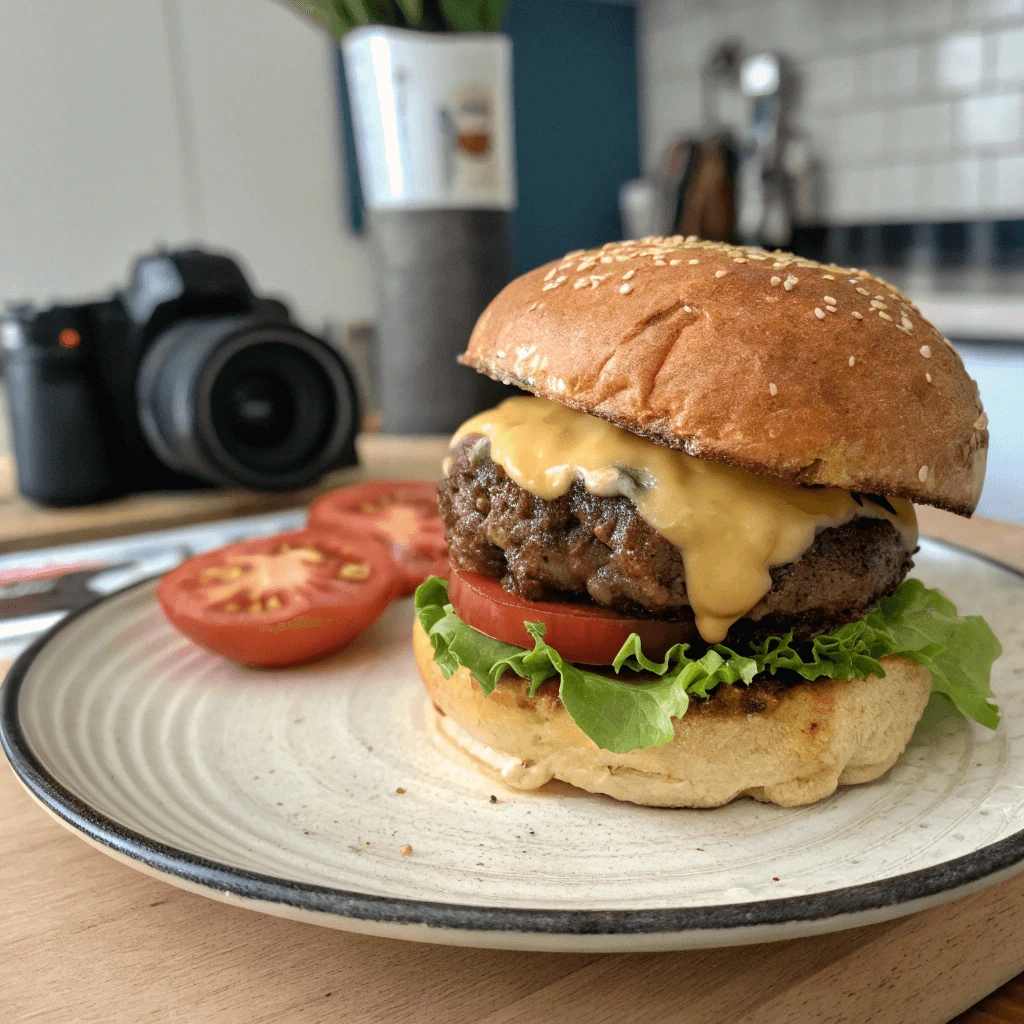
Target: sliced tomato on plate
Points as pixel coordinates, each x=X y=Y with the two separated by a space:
x=585 y=634
x=281 y=600
x=402 y=514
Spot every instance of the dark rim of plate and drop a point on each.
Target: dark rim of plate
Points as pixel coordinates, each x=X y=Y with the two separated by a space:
x=855 y=899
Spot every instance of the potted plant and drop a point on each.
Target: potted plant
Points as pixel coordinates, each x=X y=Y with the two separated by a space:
x=430 y=83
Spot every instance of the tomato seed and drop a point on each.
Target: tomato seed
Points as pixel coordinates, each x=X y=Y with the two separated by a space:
x=231 y=607
x=256 y=608
x=355 y=571
x=222 y=572
x=273 y=603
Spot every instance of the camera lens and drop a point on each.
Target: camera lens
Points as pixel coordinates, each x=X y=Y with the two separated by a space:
x=238 y=401
x=258 y=409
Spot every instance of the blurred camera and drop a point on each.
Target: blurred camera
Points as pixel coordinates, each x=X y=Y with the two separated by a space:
x=184 y=379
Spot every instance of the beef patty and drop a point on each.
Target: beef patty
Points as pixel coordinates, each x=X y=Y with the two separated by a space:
x=584 y=546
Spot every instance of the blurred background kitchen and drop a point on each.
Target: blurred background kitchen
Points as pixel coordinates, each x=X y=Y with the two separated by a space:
x=386 y=194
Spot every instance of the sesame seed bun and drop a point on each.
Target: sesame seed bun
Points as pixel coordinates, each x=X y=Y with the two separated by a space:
x=804 y=371
x=789 y=745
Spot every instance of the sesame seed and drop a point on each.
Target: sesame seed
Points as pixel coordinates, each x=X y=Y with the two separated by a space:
x=775 y=282
x=819 y=312
x=574 y=254
x=827 y=277
x=625 y=289
x=674 y=263
x=863 y=291
x=907 y=322
x=928 y=377
x=659 y=263
x=551 y=273
x=859 y=316
x=607 y=259
x=922 y=474
x=829 y=300
x=534 y=306
x=885 y=316
x=853 y=359
x=687 y=309
x=926 y=351
x=694 y=263
x=832 y=309
x=628 y=274
x=739 y=259
x=773 y=390
x=581 y=282
x=878 y=304
x=790 y=282
x=720 y=273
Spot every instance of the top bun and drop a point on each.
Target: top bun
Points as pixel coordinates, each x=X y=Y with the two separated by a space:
x=800 y=370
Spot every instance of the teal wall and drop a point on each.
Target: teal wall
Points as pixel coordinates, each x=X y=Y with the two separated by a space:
x=577 y=136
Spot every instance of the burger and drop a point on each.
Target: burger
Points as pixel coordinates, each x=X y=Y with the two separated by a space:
x=679 y=562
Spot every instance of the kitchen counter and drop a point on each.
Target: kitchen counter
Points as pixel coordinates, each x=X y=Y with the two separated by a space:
x=966 y=304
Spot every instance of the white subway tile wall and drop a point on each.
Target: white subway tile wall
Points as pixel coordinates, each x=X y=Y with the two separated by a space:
x=960 y=63
x=916 y=107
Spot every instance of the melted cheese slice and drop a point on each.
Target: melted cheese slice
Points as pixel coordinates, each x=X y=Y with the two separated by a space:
x=729 y=525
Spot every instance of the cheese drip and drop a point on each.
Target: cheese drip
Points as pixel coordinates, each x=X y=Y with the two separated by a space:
x=729 y=525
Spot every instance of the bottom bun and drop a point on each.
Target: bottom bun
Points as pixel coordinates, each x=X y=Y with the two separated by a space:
x=781 y=743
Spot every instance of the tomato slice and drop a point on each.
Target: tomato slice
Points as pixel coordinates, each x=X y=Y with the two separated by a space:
x=403 y=514
x=586 y=634
x=280 y=600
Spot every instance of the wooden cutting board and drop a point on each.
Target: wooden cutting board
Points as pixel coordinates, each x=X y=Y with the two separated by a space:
x=83 y=938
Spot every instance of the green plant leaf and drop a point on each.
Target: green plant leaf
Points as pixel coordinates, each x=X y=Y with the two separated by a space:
x=621 y=716
x=473 y=15
x=336 y=21
x=412 y=11
x=358 y=10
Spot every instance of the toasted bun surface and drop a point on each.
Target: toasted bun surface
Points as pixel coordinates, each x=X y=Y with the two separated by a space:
x=743 y=356
x=805 y=742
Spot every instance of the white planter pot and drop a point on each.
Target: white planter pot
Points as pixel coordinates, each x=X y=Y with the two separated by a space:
x=433 y=123
x=433 y=118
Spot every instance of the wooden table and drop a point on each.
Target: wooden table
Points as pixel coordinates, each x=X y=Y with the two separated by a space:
x=83 y=938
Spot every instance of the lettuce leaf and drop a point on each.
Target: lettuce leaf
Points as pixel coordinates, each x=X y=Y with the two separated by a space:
x=621 y=716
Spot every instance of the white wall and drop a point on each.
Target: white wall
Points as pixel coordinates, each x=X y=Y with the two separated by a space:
x=129 y=123
x=916 y=106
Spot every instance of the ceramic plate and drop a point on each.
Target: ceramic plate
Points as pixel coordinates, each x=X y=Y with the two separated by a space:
x=294 y=792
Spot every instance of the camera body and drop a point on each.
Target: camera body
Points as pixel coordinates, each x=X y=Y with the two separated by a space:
x=184 y=379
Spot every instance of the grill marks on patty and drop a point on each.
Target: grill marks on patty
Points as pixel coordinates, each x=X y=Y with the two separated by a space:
x=585 y=546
